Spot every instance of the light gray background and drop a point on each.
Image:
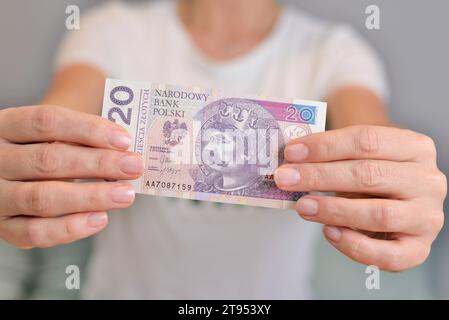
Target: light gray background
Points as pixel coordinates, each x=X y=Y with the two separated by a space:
x=413 y=42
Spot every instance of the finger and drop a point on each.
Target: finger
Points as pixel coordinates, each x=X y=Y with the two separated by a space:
x=389 y=255
x=378 y=215
x=51 y=123
x=361 y=142
x=377 y=177
x=44 y=161
x=32 y=232
x=54 y=198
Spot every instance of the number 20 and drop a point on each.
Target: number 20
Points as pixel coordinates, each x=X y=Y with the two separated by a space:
x=291 y=113
x=117 y=110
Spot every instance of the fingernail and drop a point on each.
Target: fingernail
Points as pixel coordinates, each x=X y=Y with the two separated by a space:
x=97 y=219
x=131 y=164
x=307 y=207
x=286 y=176
x=119 y=139
x=123 y=194
x=296 y=152
x=332 y=233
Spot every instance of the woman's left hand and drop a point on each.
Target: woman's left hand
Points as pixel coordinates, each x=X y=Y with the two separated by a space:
x=390 y=192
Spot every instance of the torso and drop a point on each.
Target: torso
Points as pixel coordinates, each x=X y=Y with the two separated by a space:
x=172 y=248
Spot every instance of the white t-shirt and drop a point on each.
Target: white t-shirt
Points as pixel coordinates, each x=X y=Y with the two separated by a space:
x=167 y=248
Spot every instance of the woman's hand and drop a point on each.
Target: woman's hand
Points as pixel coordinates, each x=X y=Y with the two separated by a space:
x=40 y=147
x=390 y=193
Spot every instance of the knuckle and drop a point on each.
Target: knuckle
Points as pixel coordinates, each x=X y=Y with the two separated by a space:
x=440 y=178
x=20 y=242
x=385 y=217
x=367 y=141
x=38 y=200
x=93 y=199
x=326 y=148
x=43 y=119
x=428 y=145
x=316 y=176
x=46 y=159
x=356 y=249
x=34 y=234
x=6 y=112
x=437 y=179
x=333 y=210
x=392 y=260
x=369 y=173
x=69 y=230
x=16 y=198
x=103 y=161
x=93 y=129
x=442 y=183
x=437 y=221
x=423 y=254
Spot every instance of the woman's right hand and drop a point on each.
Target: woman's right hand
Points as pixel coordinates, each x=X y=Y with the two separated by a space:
x=42 y=148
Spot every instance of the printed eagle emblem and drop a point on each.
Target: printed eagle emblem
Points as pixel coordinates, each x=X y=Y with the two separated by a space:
x=174 y=132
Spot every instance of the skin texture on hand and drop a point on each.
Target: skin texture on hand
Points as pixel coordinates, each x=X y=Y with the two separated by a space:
x=41 y=147
x=395 y=208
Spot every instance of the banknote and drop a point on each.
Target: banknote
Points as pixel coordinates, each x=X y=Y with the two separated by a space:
x=203 y=144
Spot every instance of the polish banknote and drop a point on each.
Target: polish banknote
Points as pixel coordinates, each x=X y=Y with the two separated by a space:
x=204 y=145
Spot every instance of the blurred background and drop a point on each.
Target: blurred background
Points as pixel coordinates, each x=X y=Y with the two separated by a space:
x=412 y=42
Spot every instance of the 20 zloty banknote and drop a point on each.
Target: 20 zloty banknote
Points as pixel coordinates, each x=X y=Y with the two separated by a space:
x=200 y=144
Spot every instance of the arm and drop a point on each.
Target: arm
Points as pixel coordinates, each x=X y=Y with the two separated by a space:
x=354 y=106
x=78 y=87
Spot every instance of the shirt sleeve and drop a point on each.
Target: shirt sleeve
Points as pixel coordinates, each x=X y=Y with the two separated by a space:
x=349 y=60
x=94 y=43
